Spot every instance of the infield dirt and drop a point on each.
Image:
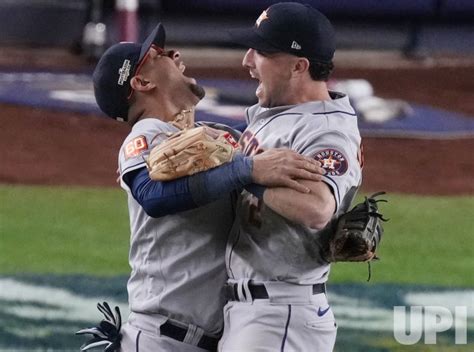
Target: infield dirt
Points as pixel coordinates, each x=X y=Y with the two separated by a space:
x=46 y=147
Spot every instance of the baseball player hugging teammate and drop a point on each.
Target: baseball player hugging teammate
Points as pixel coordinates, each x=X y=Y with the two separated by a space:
x=179 y=229
x=275 y=257
x=265 y=202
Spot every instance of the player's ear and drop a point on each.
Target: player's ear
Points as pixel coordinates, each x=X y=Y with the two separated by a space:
x=141 y=84
x=301 y=65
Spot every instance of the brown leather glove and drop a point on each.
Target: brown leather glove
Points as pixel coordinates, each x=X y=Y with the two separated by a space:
x=190 y=151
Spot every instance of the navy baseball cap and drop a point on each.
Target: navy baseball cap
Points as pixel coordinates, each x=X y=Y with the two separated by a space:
x=114 y=70
x=290 y=27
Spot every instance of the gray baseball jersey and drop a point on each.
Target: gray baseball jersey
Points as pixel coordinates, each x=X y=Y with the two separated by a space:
x=265 y=246
x=177 y=261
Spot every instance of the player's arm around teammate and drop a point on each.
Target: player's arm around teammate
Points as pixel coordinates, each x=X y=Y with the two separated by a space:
x=169 y=197
x=312 y=206
x=313 y=209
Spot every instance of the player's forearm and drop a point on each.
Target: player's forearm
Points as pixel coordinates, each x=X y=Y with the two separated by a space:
x=313 y=210
x=164 y=198
x=213 y=184
x=274 y=167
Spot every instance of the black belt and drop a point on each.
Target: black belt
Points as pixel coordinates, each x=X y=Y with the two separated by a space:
x=179 y=333
x=259 y=291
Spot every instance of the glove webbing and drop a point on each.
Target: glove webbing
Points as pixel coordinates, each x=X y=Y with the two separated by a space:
x=371 y=204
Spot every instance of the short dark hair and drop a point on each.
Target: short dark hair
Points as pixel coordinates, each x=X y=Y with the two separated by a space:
x=320 y=71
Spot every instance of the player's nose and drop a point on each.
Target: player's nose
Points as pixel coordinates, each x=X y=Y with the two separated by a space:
x=247 y=61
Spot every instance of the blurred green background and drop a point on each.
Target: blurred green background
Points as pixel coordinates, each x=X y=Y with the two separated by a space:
x=428 y=240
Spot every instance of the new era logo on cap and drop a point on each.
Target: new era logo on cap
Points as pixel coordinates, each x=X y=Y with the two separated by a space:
x=295 y=45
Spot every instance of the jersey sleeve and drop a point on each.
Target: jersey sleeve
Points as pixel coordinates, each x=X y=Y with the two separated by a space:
x=145 y=135
x=338 y=155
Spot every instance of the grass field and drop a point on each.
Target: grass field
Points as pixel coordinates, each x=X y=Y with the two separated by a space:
x=59 y=230
x=428 y=240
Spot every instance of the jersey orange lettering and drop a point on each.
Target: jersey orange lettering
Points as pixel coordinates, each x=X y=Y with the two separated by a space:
x=135 y=147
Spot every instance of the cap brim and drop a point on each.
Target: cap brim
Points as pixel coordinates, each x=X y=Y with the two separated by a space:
x=157 y=37
x=248 y=38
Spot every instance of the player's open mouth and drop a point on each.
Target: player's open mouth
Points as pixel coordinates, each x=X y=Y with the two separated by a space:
x=252 y=75
x=259 y=88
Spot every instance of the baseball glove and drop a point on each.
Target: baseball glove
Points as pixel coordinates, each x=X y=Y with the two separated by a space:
x=107 y=334
x=190 y=151
x=357 y=233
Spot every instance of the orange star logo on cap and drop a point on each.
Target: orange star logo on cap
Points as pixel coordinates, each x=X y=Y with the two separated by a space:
x=262 y=17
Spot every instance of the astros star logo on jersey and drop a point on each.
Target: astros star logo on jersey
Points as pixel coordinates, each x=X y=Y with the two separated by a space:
x=333 y=161
x=330 y=163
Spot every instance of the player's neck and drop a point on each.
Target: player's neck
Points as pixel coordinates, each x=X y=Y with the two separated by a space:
x=306 y=92
x=314 y=91
x=165 y=110
x=184 y=119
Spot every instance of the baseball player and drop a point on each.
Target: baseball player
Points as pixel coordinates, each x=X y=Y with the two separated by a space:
x=277 y=274
x=179 y=228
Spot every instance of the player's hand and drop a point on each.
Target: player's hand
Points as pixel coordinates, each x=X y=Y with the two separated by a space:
x=283 y=168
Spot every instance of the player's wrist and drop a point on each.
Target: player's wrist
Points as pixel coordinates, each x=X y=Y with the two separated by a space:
x=243 y=168
x=215 y=183
x=256 y=189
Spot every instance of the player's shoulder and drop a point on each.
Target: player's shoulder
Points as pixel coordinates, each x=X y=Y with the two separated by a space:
x=338 y=105
x=145 y=134
x=336 y=113
x=152 y=124
x=331 y=121
x=149 y=128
